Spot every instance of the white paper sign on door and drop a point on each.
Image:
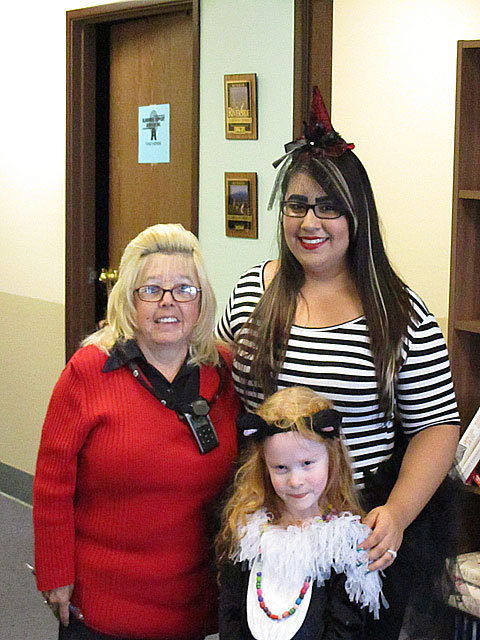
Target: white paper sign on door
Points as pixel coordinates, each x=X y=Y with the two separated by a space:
x=154 y=133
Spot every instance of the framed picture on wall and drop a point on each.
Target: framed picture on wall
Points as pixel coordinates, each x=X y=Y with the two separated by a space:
x=241 y=205
x=241 y=106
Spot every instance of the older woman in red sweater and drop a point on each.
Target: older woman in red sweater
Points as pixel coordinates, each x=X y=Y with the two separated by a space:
x=138 y=442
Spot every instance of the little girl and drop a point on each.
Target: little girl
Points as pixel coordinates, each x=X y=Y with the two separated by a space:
x=289 y=556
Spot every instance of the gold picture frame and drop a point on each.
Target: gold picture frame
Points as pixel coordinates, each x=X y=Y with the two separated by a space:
x=241 y=205
x=241 y=106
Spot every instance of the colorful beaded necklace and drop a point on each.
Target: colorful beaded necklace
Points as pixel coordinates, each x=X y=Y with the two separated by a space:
x=258 y=584
x=261 y=601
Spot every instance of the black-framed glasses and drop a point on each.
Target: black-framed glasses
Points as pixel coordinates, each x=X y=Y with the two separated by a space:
x=180 y=293
x=322 y=210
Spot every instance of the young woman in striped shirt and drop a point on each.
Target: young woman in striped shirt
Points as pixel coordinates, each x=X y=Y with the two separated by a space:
x=332 y=314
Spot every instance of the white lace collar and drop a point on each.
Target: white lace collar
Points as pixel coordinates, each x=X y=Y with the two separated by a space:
x=313 y=550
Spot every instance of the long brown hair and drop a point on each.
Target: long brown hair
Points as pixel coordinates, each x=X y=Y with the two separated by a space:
x=262 y=343
x=288 y=409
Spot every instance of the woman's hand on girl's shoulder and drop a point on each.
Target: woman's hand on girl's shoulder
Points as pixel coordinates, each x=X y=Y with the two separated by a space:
x=386 y=536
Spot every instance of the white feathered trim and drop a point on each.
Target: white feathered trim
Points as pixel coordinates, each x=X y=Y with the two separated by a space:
x=313 y=550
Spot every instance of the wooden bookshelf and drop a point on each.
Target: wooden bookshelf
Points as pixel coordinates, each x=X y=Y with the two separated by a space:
x=464 y=307
x=469 y=195
x=471 y=326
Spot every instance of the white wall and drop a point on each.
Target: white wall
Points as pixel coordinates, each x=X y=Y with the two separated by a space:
x=394 y=96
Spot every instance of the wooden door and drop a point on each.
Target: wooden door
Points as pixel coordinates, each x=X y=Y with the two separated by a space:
x=91 y=193
x=151 y=62
x=119 y=57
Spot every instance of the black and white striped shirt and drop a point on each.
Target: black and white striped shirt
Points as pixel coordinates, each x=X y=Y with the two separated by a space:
x=337 y=363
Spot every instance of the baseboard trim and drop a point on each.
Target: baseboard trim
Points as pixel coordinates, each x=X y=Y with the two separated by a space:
x=16 y=483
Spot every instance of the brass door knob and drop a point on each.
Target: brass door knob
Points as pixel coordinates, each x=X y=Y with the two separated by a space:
x=109 y=278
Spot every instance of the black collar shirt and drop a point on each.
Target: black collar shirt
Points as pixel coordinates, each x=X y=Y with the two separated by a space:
x=183 y=389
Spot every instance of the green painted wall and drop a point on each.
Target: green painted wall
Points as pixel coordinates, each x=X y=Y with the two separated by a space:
x=251 y=37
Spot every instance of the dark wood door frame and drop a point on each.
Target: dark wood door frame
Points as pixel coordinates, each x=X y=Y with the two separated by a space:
x=82 y=28
x=312 y=60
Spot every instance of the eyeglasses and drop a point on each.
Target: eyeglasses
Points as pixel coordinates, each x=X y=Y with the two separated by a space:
x=322 y=210
x=180 y=293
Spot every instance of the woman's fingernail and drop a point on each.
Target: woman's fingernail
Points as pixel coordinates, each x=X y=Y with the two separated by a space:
x=360 y=549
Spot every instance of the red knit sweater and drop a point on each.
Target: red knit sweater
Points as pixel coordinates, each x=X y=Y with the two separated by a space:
x=121 y=499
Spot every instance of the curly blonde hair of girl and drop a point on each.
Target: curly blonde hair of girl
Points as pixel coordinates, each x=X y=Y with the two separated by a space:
x=288 y=409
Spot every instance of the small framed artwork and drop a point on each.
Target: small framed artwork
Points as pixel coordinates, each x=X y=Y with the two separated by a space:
x=241 y=107
x=241 y=205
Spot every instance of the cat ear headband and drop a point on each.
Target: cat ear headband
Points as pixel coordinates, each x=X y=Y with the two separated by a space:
x=325 y=423
x=319 y=137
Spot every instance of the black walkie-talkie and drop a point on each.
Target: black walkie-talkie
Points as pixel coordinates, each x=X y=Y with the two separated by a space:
x=196 y=415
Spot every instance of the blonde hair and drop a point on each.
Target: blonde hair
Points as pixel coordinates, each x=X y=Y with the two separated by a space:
x=289 y=409
x=121 y=316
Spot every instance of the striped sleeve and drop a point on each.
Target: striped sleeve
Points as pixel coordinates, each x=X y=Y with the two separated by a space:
x=223 y=329
x=245 y=296
x=425 y=394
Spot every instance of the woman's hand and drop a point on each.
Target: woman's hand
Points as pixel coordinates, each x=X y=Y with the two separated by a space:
x=427 y=460
x=386 y=536
x=59 y=602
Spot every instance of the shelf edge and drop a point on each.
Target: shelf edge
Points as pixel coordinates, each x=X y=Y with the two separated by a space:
x=472 y=326
x=469 y=194
x=470 y=44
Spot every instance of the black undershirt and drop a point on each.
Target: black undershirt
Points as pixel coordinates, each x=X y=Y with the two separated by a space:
x=182 y=390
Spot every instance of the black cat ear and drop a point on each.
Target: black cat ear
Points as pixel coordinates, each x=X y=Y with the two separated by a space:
x=327 y=423
x=252 y=426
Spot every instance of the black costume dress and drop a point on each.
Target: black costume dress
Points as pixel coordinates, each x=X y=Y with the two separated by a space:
x=342 y=590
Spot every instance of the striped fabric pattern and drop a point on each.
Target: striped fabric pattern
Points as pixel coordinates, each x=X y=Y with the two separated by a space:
x=337 y=362
x=466 y=627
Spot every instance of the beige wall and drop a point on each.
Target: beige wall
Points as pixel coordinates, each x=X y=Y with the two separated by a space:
x=393 y=95
x=31 y=353
x=32 y=202
x=32 y=220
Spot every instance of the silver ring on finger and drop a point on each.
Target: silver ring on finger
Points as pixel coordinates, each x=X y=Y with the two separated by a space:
x=392 y=553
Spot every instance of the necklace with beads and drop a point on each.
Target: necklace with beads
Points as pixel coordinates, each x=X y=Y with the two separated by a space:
x=258 y=583
x=261 y=600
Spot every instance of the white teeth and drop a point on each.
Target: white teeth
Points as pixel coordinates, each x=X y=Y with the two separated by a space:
x=165 y=320
x=316 y=241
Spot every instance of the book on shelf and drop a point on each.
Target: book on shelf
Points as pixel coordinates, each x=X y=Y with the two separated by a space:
x=465 y=603
x=467 y=457
x=476 y=476
x=468 y=465
x=466 y=575
x=467 y=568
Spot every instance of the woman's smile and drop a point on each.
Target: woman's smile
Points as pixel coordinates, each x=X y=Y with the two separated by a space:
x=167 y=319
x=311 y=243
